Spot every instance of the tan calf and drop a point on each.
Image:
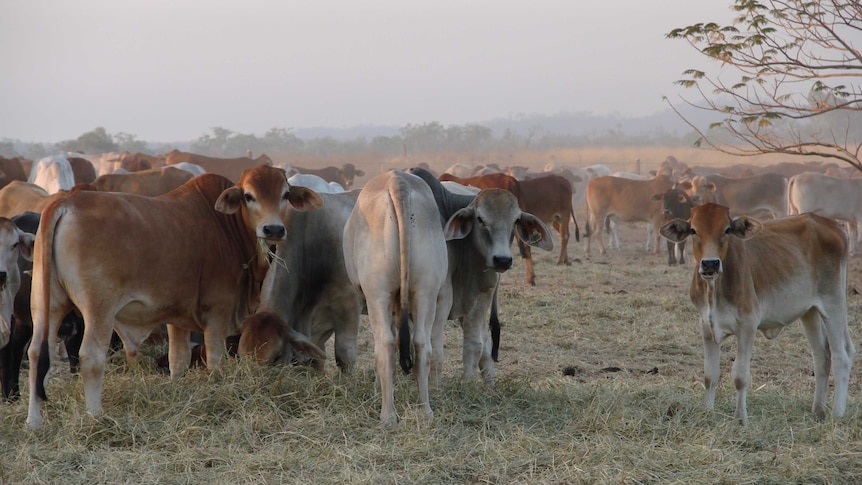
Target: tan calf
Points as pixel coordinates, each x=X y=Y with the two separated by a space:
x=752 y=276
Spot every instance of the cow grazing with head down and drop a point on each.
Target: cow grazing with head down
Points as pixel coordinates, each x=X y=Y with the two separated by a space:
x=198 y=265
x=395 y=255
x=479 y=229
x=754 y=276
x=307 y=289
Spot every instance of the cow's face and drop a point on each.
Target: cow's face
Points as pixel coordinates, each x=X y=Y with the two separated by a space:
x=263 y=338
x=710 y=228
x=489 y=221
x=676 y=204
x=263 y=196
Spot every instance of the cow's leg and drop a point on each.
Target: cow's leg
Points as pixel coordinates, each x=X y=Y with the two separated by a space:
x=562 y=228
x=711 y=367
x=384 y=355
x=179 y=350
x=842 y=352
x=92 y=355
x=346 y=335
x=477 y=341
x=671 y=253
x=423 y=312
x=214 y=338
x=441 y=316
x=741 y=371
x=528 y=257
x=613 y=229
x=680 y=246
x=812 y=324
x=11 y=356
x=46 y=324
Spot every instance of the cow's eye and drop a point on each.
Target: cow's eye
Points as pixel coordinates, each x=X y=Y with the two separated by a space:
x=480 y=220
x=727 y=231
x=692 y=231
x=286 y=195
x=248 y=197
x=15 y=246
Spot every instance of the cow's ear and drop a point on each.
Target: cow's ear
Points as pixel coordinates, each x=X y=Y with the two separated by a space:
x=229 y=201
x=359 y=173
x=710 y=187
x=657 y=196
x=460 y=224
x=303 y=198
x=684 y=185
x=744 y=227
x=533 y=231
x=676 y=230
x=25 y=244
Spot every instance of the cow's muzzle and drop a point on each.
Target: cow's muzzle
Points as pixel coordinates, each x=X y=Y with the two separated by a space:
x=273 y=232
x=501 y=263
x=710 y=268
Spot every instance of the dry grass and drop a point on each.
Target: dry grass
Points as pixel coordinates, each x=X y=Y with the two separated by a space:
x=560 y=413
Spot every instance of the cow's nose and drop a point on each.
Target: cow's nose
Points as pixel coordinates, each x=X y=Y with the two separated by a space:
x=274 y=231
x=502 y=263
x=710 y=267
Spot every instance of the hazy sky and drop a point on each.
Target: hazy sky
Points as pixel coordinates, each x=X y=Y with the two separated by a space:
x=169 y=70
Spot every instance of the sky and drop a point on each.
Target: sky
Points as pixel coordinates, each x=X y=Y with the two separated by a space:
x=169 y=70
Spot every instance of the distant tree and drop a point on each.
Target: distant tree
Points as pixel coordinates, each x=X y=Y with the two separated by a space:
x=130 y=143
x=93 y=142
x=281 y=140
x=213 y=144
x=7 y=149
x=798 y=62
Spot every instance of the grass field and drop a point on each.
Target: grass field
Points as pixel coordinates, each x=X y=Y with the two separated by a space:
x=600 y=381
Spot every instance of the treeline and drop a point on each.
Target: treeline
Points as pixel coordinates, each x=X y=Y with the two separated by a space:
x=431 y=137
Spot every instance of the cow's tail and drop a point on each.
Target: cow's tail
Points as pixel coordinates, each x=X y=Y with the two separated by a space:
x=577 y=229
x=400 y=195
x=494 y=323
x=51 y=216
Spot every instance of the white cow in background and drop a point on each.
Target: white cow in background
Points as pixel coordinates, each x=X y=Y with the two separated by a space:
x=191 y=168
x=53 y=174
x=315 y=183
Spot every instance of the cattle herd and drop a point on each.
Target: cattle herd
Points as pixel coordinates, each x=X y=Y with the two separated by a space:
x=130 y=245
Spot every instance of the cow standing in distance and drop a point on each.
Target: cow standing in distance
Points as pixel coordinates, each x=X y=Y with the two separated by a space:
x=479 y=229
x=198 y=265
x=344 y=176
x=676 y=204
x=306 y=289
x=231 y=168
x=838 y=198
x=744 y=196
x=395 y=255
x=624 y=200
x=754 y=276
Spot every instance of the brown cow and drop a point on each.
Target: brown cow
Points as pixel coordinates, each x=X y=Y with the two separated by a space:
x=149 y=183
x=19 y=197
x=624 y=200
x=744 y=196
x=754 y=276
x=11 y=169
x=197 y=264
x=137 y=162
x=550 y=199
x=82 y=170
x=231 y=168
x=344 y=175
